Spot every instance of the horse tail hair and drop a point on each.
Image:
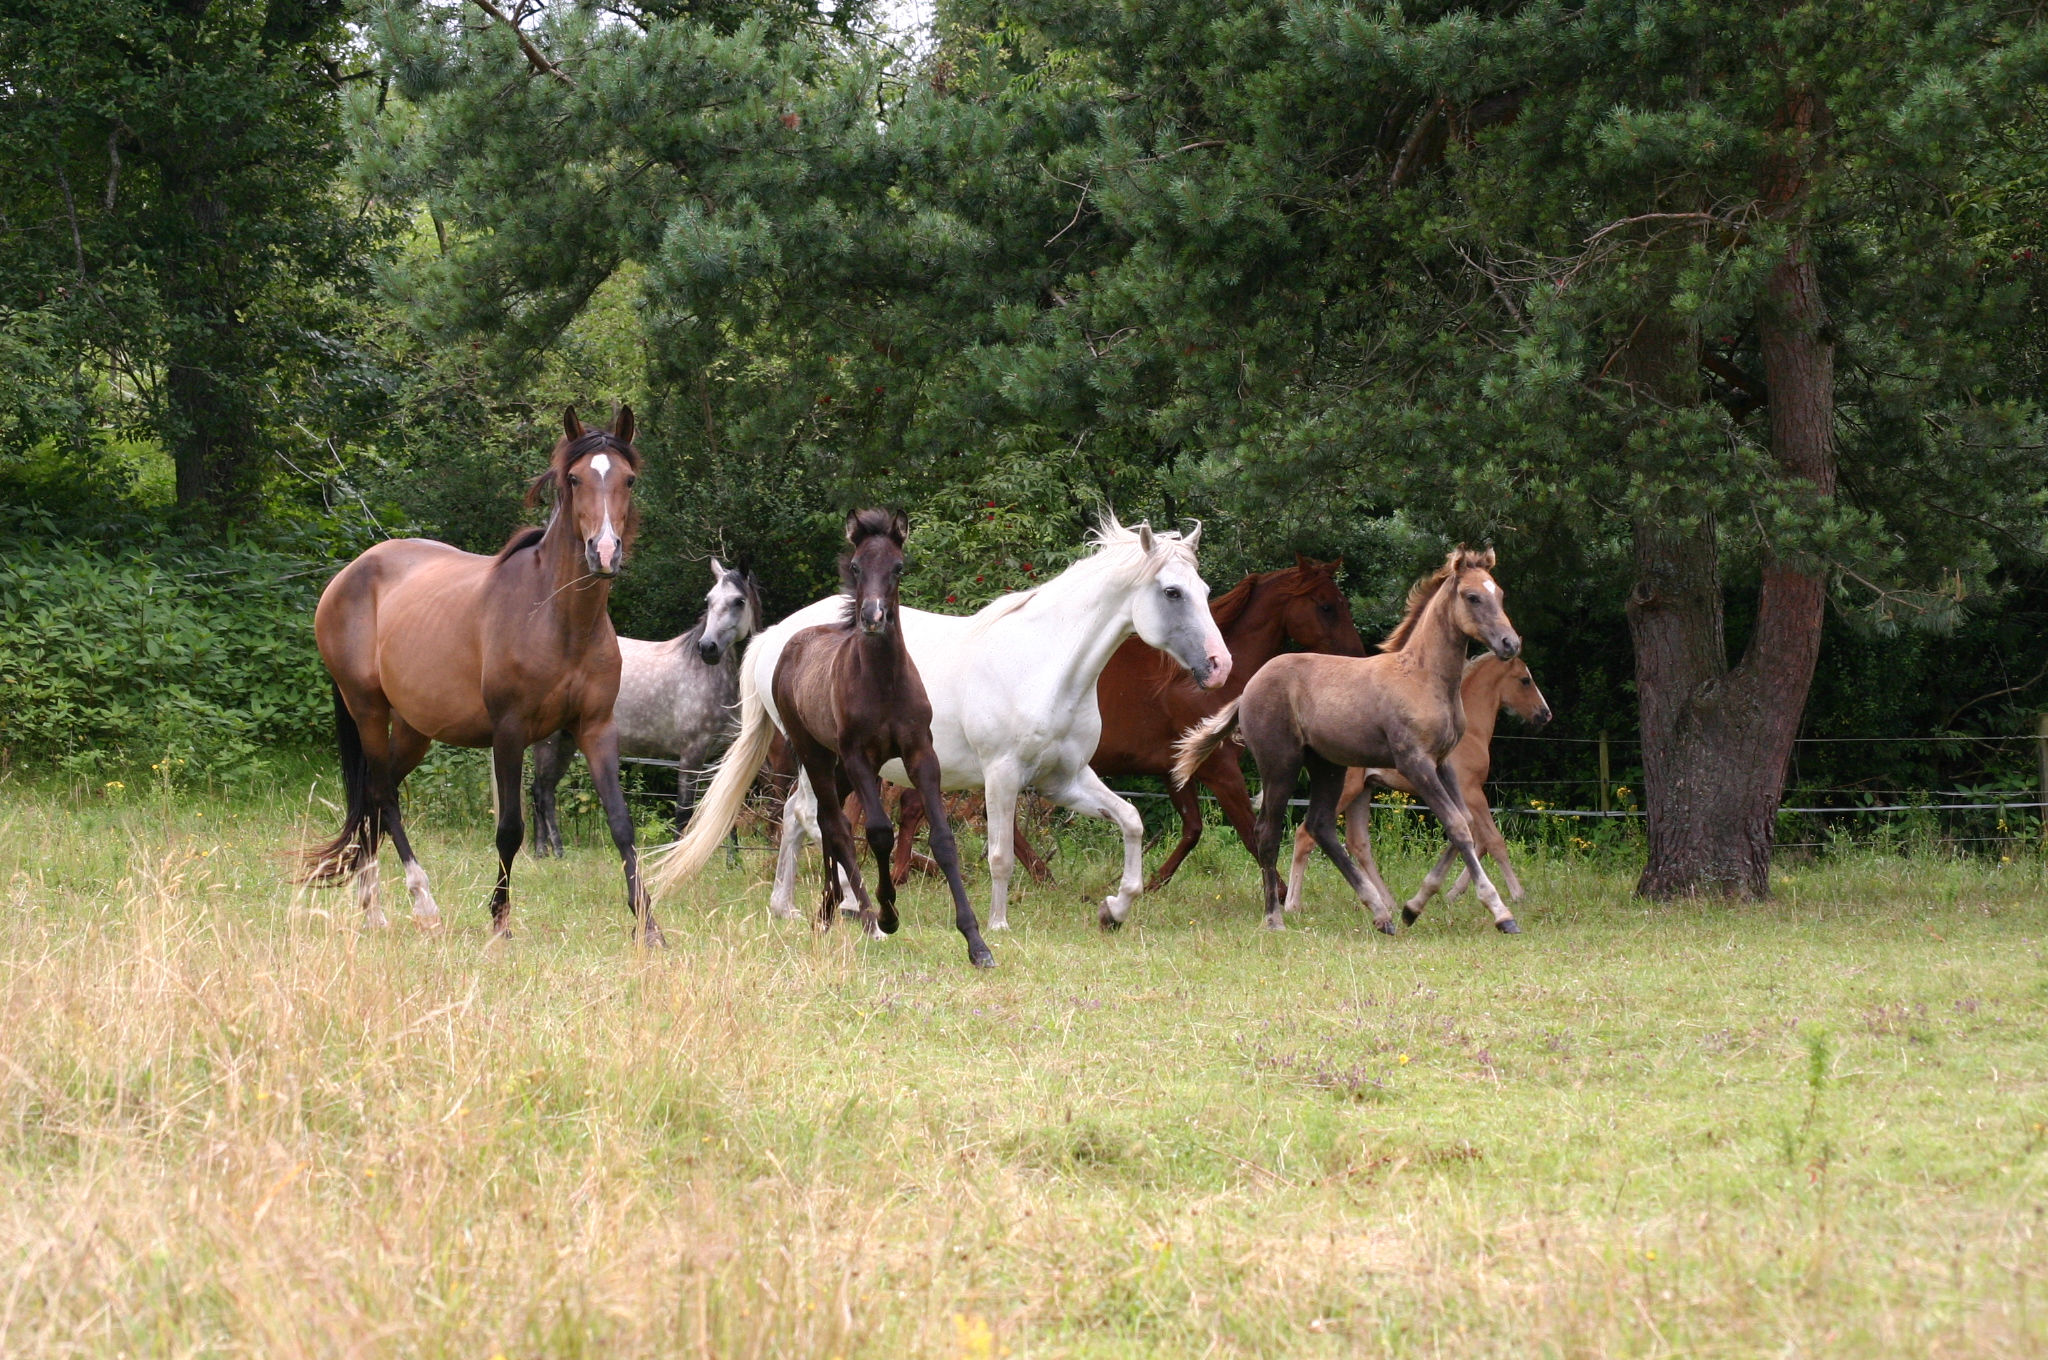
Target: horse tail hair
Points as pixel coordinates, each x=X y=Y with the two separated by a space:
x=1199 y=742
x=720 y=808
x=342 y=858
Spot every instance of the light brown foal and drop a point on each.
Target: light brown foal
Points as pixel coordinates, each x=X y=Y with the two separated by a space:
x=428 y=643
x=1490 y=685
x=1402 y=708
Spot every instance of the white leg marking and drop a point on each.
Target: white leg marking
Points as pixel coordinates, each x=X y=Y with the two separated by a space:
x=366 y=897
x=424 y=909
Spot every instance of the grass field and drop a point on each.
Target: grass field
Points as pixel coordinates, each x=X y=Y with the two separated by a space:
x=235 y=1125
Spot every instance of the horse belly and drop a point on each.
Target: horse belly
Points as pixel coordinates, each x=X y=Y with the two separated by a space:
x=430 y=665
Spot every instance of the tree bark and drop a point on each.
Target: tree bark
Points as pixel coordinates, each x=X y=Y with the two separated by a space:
x=1717 y=739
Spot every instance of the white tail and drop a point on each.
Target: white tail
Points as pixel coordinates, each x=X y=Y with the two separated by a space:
x=677 y=861
x=1199 y=742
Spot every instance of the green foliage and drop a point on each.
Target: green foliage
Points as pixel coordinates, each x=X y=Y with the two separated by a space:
x=198 y=661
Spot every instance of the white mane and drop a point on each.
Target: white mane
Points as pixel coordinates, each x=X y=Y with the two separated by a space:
x=1118 y=560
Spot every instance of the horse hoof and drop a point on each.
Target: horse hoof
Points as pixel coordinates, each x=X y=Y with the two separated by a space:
x=981 y=958
x=1275 y=923
x=1507 y=927
x=1109 y=923
x=997 y=925
x=890 y=925
x=1385 y=927
x=427 y=920
x=1408 y=915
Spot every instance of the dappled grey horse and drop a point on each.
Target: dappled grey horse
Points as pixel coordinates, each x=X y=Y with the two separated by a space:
x=675 y=701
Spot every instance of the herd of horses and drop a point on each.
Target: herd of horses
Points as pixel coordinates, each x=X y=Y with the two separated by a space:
x=1121 y=665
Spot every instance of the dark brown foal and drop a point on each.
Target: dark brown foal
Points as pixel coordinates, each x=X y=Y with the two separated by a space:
x=850 y=700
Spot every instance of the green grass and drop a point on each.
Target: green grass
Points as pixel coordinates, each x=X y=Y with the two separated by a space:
x=234 y=1124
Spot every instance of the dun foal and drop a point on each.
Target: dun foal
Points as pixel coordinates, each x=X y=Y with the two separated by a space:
x=1490 y=685
x=1401 y=708
x=428 y=643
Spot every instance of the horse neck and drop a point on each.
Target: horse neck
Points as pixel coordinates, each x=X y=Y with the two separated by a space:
x=577 y=599
x=1438 y=643
x=1481 y=694
x=1078 y=625
x=1255 y=636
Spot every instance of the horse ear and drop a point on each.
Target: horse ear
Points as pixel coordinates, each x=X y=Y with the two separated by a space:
x=852 y=526
x=899 y=526
x=572 y=428
x=1145 y=539
x=622 y=424
x=1194 y=539
x=1303 y=562
x=718 y=571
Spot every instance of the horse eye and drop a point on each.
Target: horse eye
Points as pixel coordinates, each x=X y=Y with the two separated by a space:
x=574 y=480
x=630 y=481
x=1173 y=592
x=1327 y=608
x=1472 y=598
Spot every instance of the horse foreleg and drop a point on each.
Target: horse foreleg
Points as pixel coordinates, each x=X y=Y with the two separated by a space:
x=881 y=837
x=1086 y=793
x=409 y=747
x=799 y=819
x=600 y=743
x=1438 y=785
x=1297 y=871
x=999 y=800
x=835 y=837
x=551 y=757
x=508 y=755
x=1325 y=786
x=923 y=768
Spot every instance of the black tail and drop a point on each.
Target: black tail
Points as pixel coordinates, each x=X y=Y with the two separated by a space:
x=338 y=860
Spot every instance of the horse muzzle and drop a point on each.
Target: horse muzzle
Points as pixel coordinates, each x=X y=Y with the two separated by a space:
x=874 y=618
x=709 y=652
x=1541 y=718
x=1507 y=646
x=1215 y=672
x=603 y=554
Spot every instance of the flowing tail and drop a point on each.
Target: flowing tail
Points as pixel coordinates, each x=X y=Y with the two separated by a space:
x=671 y=864
x=1199 y=742
x=338 y=860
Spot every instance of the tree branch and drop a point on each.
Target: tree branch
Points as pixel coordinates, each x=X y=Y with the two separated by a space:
x=534 y=56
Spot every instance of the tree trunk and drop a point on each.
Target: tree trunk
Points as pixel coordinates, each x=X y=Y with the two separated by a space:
x=1717 y=740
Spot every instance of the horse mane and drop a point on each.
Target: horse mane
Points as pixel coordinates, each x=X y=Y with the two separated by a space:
x=1118 y=550
x=525 y=536
x=1460 y=558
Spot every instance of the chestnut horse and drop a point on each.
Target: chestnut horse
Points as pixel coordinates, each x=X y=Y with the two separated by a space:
x=1147 y=700
x=428 y=643
x=1400 y=708
x=1490 y=685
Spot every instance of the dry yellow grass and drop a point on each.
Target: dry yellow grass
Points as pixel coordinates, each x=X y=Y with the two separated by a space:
x=235 y=1125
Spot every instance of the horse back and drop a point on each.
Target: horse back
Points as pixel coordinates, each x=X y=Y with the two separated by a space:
x=1354 y=711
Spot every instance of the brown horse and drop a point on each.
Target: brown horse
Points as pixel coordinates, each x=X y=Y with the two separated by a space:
x=428 y=643
x=1400 y=708
x=1490 y=685
x=850 y=700
x=1147 y=700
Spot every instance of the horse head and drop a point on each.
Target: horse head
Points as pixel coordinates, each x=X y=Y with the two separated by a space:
x=592 y=473
x=872 y=574
x=1508 y=685
x=1316 y=616
x=1478 y=607
x=1170 y=609
x=732 y=612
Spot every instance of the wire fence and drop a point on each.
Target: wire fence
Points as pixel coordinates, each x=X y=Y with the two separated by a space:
x=1821 y=818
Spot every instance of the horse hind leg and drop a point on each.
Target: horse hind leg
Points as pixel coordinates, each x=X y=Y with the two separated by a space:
x=1187 y=801
x=551 y=756
x=408 y=748
x=881 y=838
x=1325 y=787
x=799 y=820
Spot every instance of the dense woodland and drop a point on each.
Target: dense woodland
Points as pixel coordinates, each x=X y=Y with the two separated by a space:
x=1724 y=322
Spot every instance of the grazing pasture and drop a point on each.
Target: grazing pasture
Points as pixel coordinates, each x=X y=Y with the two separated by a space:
x=233 y=1123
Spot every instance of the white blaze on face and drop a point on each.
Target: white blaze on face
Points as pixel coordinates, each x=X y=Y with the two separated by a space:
x=607 y=537
x=1491 y=589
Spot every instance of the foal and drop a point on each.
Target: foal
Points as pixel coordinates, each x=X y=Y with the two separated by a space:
x=1400 y=708
x=1490 y=685
x=851 y=700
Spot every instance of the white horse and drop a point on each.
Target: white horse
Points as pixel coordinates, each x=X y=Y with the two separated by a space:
x=675 y=701
x=1012 y=690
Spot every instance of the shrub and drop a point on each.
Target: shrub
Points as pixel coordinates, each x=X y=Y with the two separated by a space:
x=195 y=659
